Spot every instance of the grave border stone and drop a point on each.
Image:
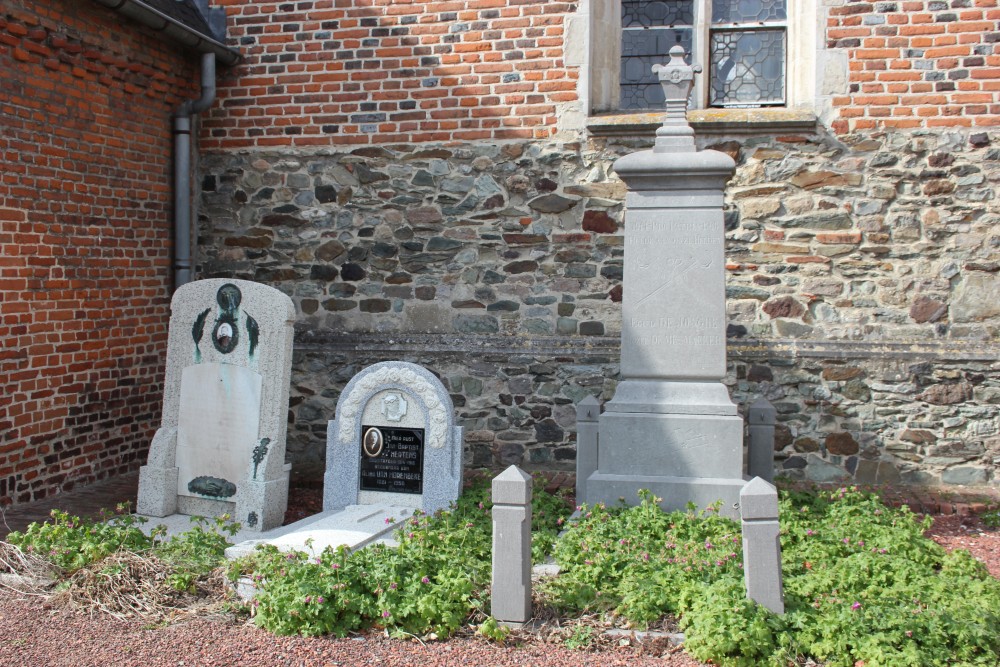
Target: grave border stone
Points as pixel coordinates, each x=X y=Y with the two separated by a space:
x=443 y=451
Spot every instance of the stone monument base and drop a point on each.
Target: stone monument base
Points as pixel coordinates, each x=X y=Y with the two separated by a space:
x=157 y=491
x=685 y=445
x=676 y=492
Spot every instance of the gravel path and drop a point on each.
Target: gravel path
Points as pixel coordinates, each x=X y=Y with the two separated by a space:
x=34 y=634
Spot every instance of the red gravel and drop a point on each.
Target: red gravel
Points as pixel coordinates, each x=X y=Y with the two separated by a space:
x=969 y=533
x=37 y=635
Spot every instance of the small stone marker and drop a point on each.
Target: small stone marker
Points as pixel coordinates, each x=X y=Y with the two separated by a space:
x=511 y=601
x=221 y=444
x=761 y=544
x=761 y=417
x=393 y=442
x=587 y=413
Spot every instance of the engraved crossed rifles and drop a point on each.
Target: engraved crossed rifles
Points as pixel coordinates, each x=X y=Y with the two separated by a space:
x=676 y=269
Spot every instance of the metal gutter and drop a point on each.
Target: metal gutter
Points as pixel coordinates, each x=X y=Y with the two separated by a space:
x=181 y=130
x=174 y=29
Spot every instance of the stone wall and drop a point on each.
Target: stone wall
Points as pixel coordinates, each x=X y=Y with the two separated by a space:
x=863 y=288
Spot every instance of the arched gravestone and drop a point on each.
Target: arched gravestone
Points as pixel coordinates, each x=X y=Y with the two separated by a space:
x=221 y=444
x=394 y=441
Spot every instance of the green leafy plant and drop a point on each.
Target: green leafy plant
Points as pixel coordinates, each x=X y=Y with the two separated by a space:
x=196 y=552
x=991 y=519
x=580 y=637
x=862 y=584
x=71 y=543
x=431 y=584
x=493 y=630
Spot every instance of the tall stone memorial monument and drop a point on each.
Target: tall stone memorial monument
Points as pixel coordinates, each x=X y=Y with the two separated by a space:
x=671 y=426
x=221 y=445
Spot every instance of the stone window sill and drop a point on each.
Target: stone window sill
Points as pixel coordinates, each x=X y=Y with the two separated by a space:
x=707 y=121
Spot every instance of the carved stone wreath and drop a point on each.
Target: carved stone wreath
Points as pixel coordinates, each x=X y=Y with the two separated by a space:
x=411 y=381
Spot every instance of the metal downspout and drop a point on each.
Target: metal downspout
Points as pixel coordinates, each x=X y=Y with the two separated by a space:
x=182 y=170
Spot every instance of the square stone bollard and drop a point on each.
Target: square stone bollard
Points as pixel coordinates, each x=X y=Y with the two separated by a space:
x=762 y=416
x=761 y=545
x=511 y=601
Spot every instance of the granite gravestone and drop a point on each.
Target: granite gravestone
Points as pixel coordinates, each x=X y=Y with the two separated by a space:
x=221 y=444
x=671 y=426
x=394 y=441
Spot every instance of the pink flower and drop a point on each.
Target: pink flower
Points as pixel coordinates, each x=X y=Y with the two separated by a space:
x=308 y=599
x=319 y=600
x=392 y=586
x=425 y=580
x=855 y=606
x=385 y=614
x=810 y=532
x=336 y=566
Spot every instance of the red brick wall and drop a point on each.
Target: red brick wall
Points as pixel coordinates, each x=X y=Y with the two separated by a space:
x=84 y=241
x=918 y=63
x=332 y=72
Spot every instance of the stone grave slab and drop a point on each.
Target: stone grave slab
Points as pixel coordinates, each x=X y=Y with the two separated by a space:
x=394 y=441
x=220 y=448
x=354 y=527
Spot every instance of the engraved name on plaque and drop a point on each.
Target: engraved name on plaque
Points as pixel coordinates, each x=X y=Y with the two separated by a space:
x=392 y=459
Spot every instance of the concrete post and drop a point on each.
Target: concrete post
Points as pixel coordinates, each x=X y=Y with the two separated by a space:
x=587 y=412
x=511 y=600
x=762 y=417
x=761 y=545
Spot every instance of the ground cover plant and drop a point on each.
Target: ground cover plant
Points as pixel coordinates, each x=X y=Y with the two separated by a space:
x=431 y=584
x=862 y=584
x=113 y=566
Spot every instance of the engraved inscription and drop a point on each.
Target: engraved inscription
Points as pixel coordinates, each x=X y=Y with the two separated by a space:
x=392 y=459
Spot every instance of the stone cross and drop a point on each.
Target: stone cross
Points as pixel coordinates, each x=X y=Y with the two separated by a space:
x=677 y=80
x=511 y=601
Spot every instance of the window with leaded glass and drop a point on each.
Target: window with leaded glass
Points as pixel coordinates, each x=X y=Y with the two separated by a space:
x=743 y=43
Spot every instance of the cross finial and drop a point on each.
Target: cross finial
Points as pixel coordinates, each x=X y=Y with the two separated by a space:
x=677 y=80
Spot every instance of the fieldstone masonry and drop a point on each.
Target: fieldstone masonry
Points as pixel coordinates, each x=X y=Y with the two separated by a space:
x=221 y=445
x=861 y=279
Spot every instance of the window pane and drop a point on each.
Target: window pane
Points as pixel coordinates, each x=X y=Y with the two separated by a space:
x=641 y=49
x=748 y=68
x=748 y=11
x=658 y=13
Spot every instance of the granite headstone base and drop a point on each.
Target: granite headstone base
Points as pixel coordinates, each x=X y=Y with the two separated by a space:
x=676 y=492
x=681 y=445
